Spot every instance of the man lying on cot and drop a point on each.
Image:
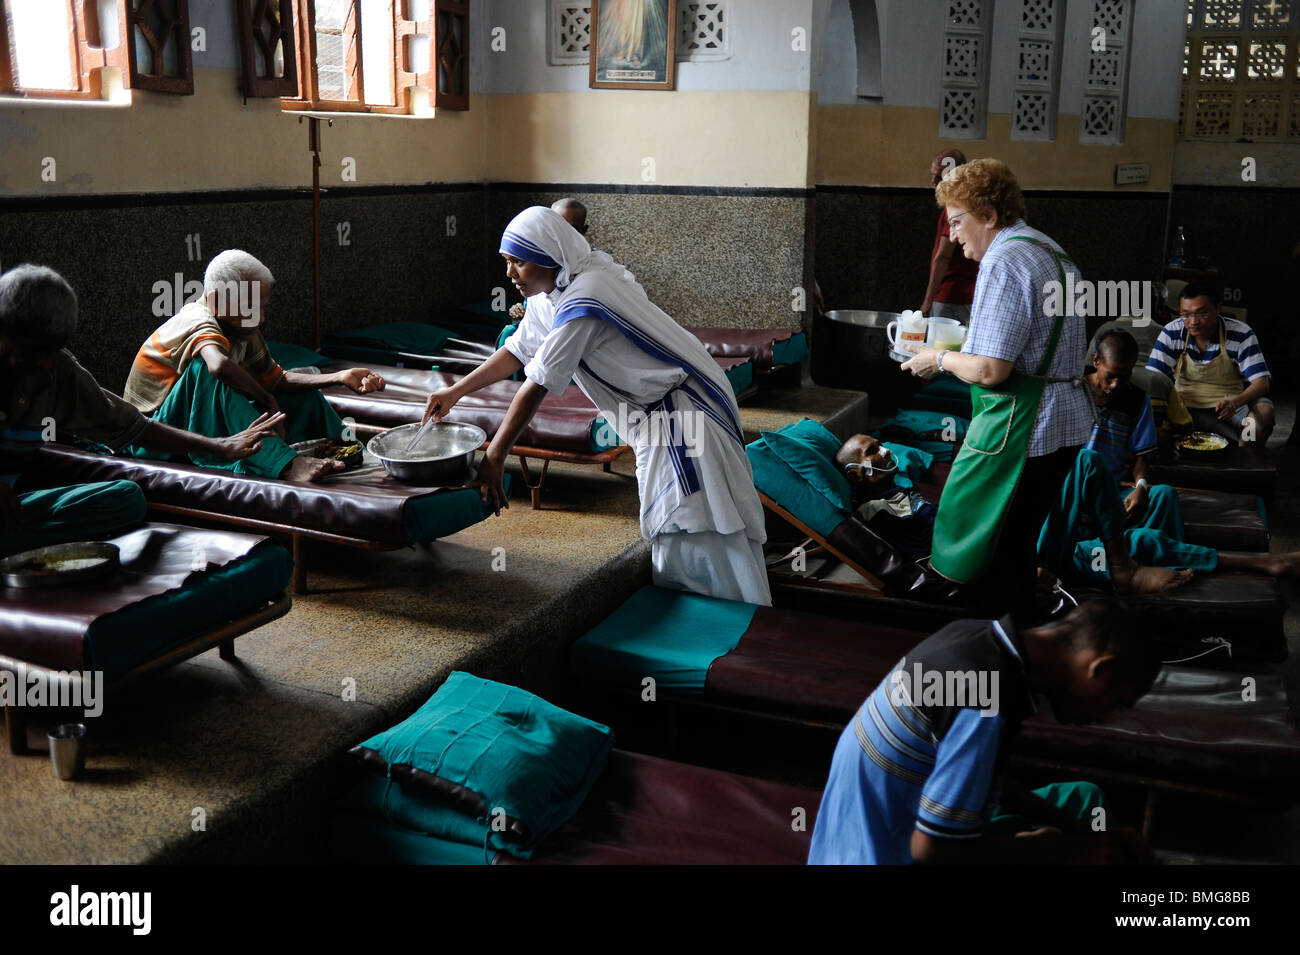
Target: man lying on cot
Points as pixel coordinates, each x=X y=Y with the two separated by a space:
x=45 y=395
x=917 y=775
x=1088 y=533
x=237 y=379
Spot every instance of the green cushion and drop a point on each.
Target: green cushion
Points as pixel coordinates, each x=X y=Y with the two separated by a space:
x=787 y=488
x=493 y=753
x=741 y=377
x=816 y=434
x=814 y=466
x=360 y=834
x=296 y=356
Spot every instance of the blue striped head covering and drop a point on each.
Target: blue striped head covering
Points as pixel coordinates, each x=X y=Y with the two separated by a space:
x=543 y=237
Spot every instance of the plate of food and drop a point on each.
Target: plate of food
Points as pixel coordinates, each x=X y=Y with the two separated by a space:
x=60 y=564
x=351 y=453
x=1202 y=442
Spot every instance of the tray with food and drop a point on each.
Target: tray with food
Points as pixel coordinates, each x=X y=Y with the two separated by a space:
x=351 y=453
x=60 y=564
x=1202 y=442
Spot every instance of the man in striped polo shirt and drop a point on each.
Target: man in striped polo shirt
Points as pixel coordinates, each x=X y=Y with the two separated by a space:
x=917 y=774
x=1217 y=367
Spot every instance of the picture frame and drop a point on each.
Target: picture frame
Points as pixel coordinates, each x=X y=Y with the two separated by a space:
x=633 y=45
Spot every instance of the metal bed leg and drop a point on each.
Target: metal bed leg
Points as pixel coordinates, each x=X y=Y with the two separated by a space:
x=1149 y=815
x=226 y=650
x=299 y=568
x=534 y=489
x=15 y=729
x=607 y=467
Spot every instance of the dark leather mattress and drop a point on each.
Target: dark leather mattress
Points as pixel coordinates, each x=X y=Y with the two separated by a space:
x=649 y=811
x=1193 y=727
x=743 y=343
x=52 y=626
x=1240 y=470
x=564 y=423
x=368 y=504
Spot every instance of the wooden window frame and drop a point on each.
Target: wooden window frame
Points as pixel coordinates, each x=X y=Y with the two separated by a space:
x=308 y=97
x=252 y=37
x=183 y=84
x=88 y=62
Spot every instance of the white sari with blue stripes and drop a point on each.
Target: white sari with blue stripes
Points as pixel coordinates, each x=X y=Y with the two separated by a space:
x=627 y=356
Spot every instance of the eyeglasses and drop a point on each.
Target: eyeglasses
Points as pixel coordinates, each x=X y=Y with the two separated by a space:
x=1200 y=313
x=953 y=220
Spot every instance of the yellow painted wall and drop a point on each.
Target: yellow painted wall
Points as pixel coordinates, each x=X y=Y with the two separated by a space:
x=212 y=141
x=893 y=146
x=740 y=138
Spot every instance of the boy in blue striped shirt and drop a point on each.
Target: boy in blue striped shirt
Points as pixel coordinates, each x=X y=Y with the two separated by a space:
x=917 y=774
x=1217 y=367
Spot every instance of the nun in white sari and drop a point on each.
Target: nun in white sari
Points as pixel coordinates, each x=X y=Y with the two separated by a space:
x=653 y=381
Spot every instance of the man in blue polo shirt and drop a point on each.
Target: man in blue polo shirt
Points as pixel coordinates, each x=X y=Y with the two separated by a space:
x=1217 y=367
x=917 y=774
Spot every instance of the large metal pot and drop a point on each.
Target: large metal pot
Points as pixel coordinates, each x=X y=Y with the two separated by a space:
x=850 y=350
x=444 y=456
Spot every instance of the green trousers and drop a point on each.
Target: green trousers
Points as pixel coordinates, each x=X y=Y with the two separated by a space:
x=204 y=404
x=1066 y=547
x=1078 y=799
x=81 y=512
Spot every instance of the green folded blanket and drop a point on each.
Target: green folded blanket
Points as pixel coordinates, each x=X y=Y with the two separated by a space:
x=483 y=763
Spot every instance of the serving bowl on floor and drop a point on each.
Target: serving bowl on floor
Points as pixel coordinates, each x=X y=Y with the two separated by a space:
x=444 y=456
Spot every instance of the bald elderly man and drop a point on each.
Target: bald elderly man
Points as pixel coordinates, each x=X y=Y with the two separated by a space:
x=45 y=395
x=951 y=288
x=208 y=369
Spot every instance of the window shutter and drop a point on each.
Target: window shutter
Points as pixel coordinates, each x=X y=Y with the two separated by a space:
x=265 y=27
x=156 y=31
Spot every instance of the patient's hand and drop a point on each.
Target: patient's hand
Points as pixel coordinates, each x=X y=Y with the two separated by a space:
x=361 y=380
x=1135 y=502
x=249 y=441
x=10 y=511
x=517 y=311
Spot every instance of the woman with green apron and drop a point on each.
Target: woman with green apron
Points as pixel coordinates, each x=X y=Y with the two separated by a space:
x=1024 y=360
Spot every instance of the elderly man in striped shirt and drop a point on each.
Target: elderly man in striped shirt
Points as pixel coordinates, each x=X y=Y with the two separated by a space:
x=1217 y=368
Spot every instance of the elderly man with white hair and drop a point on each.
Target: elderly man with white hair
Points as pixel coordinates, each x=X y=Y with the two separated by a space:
x=237 y=378
x=45 y=395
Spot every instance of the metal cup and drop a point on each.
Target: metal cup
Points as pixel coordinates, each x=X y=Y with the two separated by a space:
x=68 y=749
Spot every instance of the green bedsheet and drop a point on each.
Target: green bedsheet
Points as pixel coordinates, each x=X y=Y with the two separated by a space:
x=359 y=834
x=741 y=377
x=145 y=630
x=441 y=515
x=665 y=634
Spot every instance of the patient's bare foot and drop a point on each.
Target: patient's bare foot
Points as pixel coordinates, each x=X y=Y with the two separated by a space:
x=1132 y=579
x=1281 y=565
x=303 y=468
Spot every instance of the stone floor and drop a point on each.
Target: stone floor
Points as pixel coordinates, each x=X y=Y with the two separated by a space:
x=212 y=762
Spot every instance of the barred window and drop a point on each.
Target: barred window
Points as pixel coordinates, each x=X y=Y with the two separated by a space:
x=964 y=84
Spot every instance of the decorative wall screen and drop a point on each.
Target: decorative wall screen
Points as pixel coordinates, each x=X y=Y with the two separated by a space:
x=703 y=31
x=268 y=56
x=158 y=46
x=570 y=33
x=1241 y=77
x=964 y=84
x=1105 y=88
x=1038 y=69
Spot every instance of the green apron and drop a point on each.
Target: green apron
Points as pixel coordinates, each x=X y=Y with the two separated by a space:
x=986 y=471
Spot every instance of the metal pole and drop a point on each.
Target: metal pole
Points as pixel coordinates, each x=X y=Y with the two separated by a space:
x=313 y=135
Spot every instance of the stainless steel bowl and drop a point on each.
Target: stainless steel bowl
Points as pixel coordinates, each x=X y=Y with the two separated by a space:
x=444 y=456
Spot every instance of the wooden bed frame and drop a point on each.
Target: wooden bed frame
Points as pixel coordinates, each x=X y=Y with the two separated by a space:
x=223 y=637
x=871 y=584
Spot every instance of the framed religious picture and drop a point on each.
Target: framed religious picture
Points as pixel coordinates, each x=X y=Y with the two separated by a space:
x=632 y=44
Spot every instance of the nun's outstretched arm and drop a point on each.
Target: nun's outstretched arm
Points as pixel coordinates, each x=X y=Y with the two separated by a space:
x=525 y=404
x=500 y=366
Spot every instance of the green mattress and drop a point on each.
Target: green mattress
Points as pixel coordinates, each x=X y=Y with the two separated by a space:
x=144 y=631
x=665 y=634
x=443 y=514
x=741 y=377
